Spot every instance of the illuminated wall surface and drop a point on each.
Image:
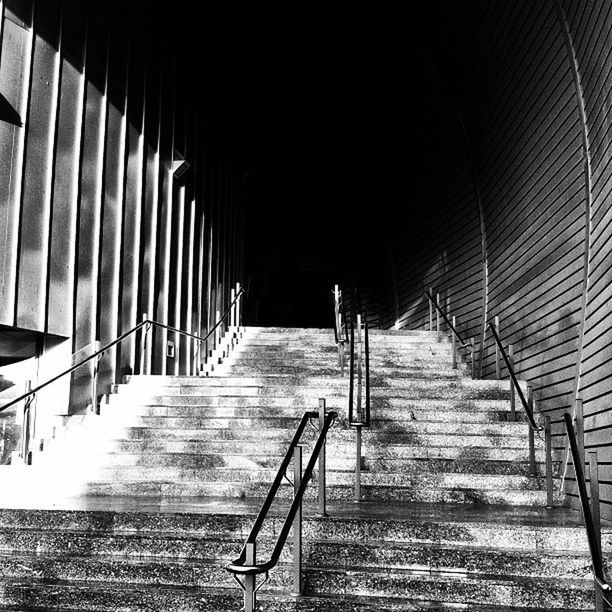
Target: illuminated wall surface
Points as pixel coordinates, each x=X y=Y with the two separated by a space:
x=514 y=215
x=502 y=206
x=98 y=110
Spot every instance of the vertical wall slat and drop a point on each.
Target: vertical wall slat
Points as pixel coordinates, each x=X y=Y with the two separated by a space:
x=15 y=75
x=62 y=254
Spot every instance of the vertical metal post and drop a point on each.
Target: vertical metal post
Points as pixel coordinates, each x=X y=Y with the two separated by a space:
x=596 y=515
x=580 y=435
x=454 y=346
x=25 y=428
x=512 y=389
x=549 y=475
x=359 y=368
x=497 y=364
x=430 y=309
x=594 y=491
x=233 y=311
x=297 y=523
x=438 y=313
x=218 y=330
x=322 y=508
x=358 y=465
x=532 y=462
x=238 y=311
x=580 y=431
x=250 y=594
x=472 y=356
x=143 y=344
x=94 y=380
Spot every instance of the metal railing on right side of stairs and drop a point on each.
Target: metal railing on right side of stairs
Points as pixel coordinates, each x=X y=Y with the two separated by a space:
x=591 y=513
x=435 y=308
x=232 y=314
x=359 y=375
x=246 y=565
x=340 y=327
x=575 y=450
x=359 y=390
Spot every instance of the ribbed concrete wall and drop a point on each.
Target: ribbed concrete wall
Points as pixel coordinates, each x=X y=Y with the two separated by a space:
x=98 y=105
x=515 y=220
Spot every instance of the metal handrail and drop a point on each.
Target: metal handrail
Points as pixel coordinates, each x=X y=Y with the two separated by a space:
x=589 y=523
x=360 y=376
x=515 y=382
x=145 y=323
x=340 y=326
x=239 y=565
x=448 y=322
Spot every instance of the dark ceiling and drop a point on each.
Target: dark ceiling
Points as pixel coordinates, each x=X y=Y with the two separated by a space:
x=331 y=106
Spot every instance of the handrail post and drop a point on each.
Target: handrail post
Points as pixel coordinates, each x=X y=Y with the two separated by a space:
x=497 y=364
x=359 y=365
x=580 y=430
x=218 y=330
x=94 y=381
x=232 y=316
x=26 y=427
x=472 y=357
x=358 y=464
x=549 y=475
x=438 y=313
x=532 y=462
x=322 y=467
x=297 y=523
x=594 y=490
x=250 y=593
x=512 y=390
x=454 y=345
x=143 y=345
x=430 y=309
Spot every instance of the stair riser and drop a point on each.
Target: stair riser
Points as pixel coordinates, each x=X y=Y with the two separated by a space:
x=339 y=493
x=403 y=589
x=56 y=526
x=406 y=466
x=232 y=413
x=237 y=440
x=237 y=426
x=150 y=560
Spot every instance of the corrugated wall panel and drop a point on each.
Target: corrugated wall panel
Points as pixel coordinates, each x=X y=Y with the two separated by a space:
x=63 y=238
x=97 y=232
x=592 y=40
x=15 y=75
x=38 y=170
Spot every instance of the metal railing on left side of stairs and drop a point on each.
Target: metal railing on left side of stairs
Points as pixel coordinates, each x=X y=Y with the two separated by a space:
x=232 y=313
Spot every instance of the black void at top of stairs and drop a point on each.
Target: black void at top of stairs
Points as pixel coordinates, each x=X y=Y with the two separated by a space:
x=171 y=474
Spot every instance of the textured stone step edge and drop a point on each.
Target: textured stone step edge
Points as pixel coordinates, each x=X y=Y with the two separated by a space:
x=167 y=570
x=383 y=412
x=274 y=453
x=422 y=530
x=124 y=421
x=334 y=462
x=100 y=596
x=292 y=402
x=251 y=491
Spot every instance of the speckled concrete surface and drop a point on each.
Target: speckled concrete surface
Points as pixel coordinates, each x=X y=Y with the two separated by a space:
x=451 y=519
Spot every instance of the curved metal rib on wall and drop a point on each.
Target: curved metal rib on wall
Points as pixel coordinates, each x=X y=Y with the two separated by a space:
x=573 y=60
x=588 y=34
x=532 y=128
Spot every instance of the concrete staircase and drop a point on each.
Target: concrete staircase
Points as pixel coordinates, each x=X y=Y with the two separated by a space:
x=141 y=507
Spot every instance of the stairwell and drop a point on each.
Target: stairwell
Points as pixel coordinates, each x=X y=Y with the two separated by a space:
x=141 y=507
